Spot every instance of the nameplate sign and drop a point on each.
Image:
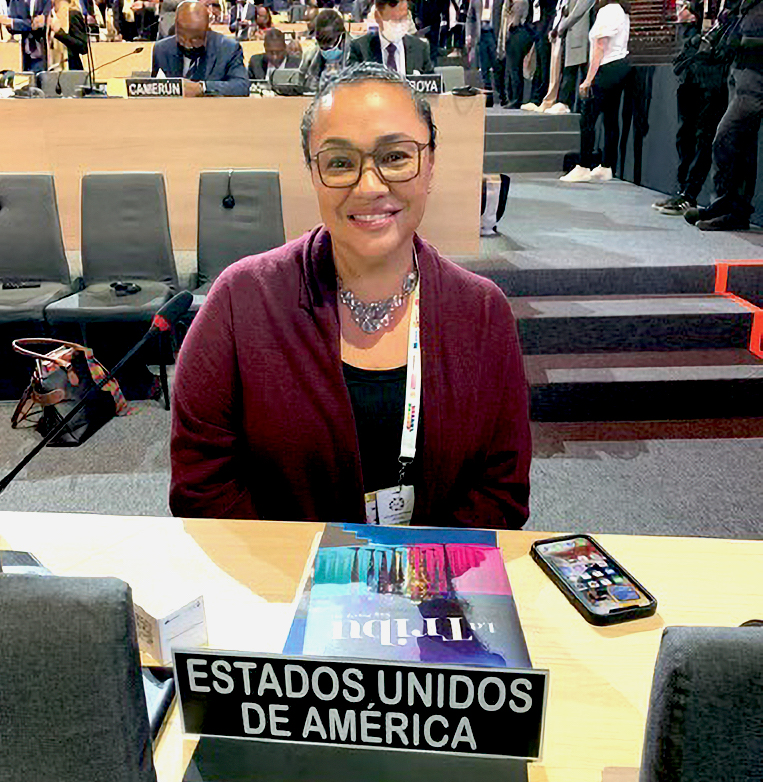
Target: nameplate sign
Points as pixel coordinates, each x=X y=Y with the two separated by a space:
x=154 y=88
x=429 y=83
x=448 y=709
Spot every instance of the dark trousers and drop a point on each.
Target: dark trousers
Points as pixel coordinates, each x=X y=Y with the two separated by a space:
x=542 y=61
x=604 y=98
x=702 y=100
x=491 y=68
x=568 y=89
x=518 y=44
x=735 y=149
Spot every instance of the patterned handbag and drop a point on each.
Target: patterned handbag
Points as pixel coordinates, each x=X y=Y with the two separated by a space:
x=61 y=378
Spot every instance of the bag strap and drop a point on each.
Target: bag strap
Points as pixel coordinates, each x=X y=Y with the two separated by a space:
x=20 y=346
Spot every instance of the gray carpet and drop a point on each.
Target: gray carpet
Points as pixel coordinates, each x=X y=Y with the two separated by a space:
x=708 y=486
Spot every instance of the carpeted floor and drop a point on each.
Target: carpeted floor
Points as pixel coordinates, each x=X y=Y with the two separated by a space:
x=691 y=479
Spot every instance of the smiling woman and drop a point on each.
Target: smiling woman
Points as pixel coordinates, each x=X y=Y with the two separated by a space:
x=354 y=374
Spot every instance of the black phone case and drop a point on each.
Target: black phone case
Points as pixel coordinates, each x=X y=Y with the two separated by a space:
x=633 y=612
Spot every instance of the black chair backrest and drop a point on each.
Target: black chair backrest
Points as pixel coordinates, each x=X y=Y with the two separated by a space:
x=31 y=245
x=705 y=721
x=125 y=228
x=252 y=223
x=73 y=706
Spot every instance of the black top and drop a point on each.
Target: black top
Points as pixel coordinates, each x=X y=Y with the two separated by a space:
x=75 y=40
x=378 y=398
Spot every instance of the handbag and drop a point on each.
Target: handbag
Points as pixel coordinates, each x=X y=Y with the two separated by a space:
x=61 y=379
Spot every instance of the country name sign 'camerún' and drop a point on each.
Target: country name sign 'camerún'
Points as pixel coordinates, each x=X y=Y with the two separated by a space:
x=486 y=712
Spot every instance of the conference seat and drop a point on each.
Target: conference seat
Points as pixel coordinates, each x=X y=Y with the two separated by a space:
x=63 y=84
x=125 y=239
x=32 y=248
x=297 y=13
x=705 y=720
x=252 y=224
x=452 y=77
x=73 y=704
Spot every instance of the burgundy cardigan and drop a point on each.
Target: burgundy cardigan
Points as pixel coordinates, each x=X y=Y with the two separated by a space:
x=262 y=423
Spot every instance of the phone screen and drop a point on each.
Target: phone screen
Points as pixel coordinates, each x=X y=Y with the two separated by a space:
x=594 y=577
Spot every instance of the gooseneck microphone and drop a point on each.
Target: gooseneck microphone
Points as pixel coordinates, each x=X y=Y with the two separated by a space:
x=91 y=89
x=163 y=321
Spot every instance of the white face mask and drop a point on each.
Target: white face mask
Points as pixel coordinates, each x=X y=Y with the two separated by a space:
x=394 y=31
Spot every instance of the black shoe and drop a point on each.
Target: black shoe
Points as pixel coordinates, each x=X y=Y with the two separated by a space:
x=693 y=215
x=489 y=102
x=675 y=207
x=665 y=201
x=724 y=223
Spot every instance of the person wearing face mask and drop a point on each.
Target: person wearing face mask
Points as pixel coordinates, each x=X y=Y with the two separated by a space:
x=354 y=374
x=208 y=63
x=331 y=53
x=392 y=46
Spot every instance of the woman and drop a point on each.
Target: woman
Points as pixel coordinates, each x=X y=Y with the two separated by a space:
x=263 y=21
x=602 y=89
x=330 y=55
x=67 y=36
x=298 y=373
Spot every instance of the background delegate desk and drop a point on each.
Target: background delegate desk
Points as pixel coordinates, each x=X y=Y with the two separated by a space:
x=600 y=677
x=182 y=137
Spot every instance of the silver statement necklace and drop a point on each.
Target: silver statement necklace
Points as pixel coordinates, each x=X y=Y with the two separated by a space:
x=372 y=316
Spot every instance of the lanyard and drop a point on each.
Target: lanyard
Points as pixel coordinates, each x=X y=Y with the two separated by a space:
x=412 y=410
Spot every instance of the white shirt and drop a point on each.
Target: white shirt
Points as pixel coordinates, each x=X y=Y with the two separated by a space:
x=612 y=25
x=399 y=54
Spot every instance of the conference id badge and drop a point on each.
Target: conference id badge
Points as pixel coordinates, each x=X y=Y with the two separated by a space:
x=394 y=506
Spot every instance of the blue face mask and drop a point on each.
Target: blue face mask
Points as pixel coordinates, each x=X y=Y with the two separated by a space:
x=334 y=54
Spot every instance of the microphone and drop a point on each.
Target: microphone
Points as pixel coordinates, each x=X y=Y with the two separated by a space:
x=168 y=314
x=92 y=89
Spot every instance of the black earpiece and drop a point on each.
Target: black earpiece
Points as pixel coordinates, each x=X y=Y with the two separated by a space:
x=229 y=201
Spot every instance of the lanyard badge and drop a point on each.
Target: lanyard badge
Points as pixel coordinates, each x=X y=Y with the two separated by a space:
x=394 y=506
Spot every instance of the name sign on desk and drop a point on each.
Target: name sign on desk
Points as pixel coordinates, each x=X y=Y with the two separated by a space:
x=429 y=83
x=154 y=88
x=484 y=712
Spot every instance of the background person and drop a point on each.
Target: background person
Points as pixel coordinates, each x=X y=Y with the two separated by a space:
x=289 y=395
x=483 y=23
x=602 y=90
x=392 y=46
x=241 y=18
x=28 y=18
x=209 y=63
x=67 y=36
x=263 y=21
x=514 y=42
x=276 y=57
x=332 y=52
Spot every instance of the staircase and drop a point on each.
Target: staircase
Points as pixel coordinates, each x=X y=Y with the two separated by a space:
x=525 y=142
x=653 y=344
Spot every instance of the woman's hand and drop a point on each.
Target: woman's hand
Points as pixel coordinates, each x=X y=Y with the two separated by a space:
x=54 y=24
x=585 y=89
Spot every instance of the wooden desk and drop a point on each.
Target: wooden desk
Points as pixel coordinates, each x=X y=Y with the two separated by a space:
x=183 y=137
x=600 y=677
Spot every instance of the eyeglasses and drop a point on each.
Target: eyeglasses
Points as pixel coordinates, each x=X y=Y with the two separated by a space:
x=394 y=163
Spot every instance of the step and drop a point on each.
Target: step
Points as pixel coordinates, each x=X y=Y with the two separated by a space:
x=522 y=162
x=664 y=385
x=555 y=141
x=610 y=281
x=517 y=121
x=558 y=324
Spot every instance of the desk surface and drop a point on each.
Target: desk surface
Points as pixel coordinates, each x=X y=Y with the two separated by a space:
x=600 y=678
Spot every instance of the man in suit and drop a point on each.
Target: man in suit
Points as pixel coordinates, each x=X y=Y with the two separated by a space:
x=483 y=24
x=209 y=63
x=28 y=17
x=276 y=56
x=392 y=46
x=242 y=16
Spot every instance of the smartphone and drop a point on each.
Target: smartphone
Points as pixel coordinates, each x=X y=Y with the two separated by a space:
x=599 y=587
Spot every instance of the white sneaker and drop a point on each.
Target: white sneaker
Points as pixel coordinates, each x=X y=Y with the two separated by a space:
x=601 y=174
x=578 y=174
x=558 y=108
x=529 y=107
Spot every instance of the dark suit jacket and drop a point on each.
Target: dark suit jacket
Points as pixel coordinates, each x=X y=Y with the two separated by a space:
x=235 y=15
x=367 y=48
x=258 y=67
x=222 y=64
x=34 y=40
